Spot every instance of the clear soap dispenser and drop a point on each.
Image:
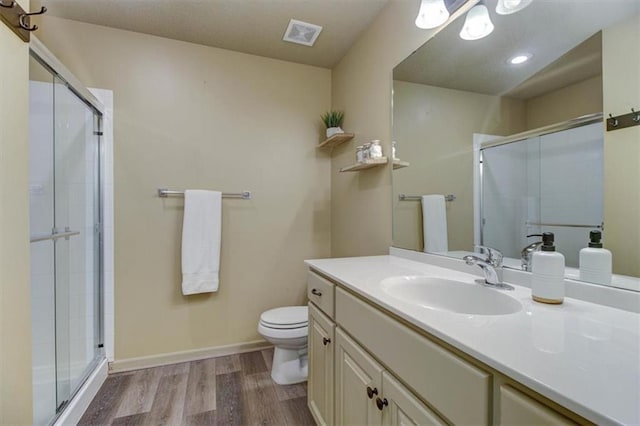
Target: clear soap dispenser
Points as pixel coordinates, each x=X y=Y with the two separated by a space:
x=595 y=261
x=547 y=278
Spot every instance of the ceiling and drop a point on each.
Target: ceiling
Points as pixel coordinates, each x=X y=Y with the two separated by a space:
x=549 y=30
x=250 y=26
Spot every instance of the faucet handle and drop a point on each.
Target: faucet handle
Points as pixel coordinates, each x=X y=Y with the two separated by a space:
x=494 y=256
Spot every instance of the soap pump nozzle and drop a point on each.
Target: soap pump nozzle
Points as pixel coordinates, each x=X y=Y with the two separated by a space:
x=595 y=239
x=547 y=242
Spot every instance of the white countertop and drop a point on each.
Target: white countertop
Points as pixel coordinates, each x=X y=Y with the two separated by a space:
x=584 y=356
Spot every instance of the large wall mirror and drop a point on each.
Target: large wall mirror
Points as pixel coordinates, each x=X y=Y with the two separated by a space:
x=520 y=148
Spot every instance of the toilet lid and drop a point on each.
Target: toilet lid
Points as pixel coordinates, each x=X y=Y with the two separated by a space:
x=286 y=317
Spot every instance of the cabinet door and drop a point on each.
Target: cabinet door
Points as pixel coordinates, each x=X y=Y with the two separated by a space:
x=320 y=384
x=402 y=408
x=358 y=383
x=517 y=408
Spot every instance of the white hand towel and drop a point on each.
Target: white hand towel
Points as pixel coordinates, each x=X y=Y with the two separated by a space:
x=201 y=231
x=434 y=223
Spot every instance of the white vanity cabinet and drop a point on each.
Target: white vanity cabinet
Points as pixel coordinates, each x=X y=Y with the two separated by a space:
x=367 y=394
x=369 y=367
x=320 y=393
x=456 y=389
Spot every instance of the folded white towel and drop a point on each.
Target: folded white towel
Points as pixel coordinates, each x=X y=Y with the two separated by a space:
x=434 y=223
x=201 y=230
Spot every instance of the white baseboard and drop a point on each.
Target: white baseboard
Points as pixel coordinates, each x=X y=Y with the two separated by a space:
x=138 y=363
x=80 y=402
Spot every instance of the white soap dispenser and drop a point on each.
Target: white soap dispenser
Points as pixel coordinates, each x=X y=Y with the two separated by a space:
x=547 y=279
x=595 y=261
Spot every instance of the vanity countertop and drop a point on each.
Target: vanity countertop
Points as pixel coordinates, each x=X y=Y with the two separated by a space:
x=584 y=356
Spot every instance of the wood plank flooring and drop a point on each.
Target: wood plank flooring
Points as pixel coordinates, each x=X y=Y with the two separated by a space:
x=229 y=390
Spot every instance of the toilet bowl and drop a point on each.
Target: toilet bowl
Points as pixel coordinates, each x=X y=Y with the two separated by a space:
x=287 y=329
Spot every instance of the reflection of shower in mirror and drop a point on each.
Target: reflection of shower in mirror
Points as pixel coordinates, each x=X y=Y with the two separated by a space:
x=548 y=182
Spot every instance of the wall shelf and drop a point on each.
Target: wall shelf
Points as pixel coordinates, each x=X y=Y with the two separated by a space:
x=399 y=164
x=366 y=164
x=336 y=140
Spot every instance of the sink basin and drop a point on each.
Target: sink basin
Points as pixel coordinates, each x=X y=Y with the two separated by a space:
x=449 y=295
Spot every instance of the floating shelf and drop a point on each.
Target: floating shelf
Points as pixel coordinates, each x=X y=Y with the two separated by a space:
x=336 y=139
x=398 y=164
x=366 y=164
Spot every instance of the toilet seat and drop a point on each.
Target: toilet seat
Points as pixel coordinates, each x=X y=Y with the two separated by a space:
x=286 y=318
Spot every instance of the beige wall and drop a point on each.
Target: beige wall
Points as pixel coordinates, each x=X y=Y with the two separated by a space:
x=361 y=206
x=622 y=147
x=564 y=104
x=189 y=116
x=439 y=147
x=15 y=292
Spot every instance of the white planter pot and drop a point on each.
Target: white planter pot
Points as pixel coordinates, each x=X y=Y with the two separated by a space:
x=333 y=131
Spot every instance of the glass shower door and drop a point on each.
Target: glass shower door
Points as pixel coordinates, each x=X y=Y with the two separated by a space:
x=77 y=254
x=65 y=241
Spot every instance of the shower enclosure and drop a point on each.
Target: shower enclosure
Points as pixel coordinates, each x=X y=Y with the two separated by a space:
x=66 y=249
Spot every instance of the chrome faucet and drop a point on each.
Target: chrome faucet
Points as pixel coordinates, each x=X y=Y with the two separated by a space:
x=527 y=253
x=491 y=266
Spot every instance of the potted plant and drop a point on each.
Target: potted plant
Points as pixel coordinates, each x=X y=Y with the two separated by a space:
x=333 y=121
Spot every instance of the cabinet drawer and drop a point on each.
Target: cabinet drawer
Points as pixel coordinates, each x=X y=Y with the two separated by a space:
x=517 y=408
x=321 y=292
x=455 y=388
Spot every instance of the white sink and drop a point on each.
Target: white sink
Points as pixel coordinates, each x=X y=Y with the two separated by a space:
x=449 y=295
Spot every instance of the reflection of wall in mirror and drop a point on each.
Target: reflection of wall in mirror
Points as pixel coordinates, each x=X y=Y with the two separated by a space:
x=434 y=129
x=436 y=125
x=621 y=80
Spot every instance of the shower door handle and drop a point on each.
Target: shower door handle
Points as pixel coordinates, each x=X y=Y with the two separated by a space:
x=54 y=236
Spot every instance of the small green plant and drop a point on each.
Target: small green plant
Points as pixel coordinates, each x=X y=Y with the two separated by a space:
x=332 y=118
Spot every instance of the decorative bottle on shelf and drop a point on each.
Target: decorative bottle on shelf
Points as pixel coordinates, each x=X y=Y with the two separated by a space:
x=375 y=149
x=595 y=261
x=366 y=151
x=547 y=279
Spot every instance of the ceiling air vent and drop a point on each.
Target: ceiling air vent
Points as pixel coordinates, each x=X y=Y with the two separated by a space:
x=302 y=32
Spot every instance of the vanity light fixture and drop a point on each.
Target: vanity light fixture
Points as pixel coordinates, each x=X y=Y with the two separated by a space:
x=507 y=7
x=432 y=14
x=520 y=59
x=477 y=24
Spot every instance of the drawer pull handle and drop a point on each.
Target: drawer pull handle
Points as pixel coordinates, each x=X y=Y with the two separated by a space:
x=316 y=292
x=326 y=341
x=381 y=403
x=371 y=392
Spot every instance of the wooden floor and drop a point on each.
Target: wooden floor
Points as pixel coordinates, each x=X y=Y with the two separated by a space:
x=230 y=390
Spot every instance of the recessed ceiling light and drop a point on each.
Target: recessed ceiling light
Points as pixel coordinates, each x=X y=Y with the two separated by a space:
x=520 y=59
x=302 y=32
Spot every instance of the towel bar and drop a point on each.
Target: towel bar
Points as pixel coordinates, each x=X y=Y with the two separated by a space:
x=164 y=193
x=404 y=197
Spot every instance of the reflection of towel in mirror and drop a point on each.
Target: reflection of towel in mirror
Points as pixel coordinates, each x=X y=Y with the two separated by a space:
x=201 y=231
x=434 y=223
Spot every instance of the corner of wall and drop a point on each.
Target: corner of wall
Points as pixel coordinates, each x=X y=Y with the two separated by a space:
x=362 y=82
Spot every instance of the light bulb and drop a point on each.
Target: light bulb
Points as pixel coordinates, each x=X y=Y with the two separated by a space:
x=432 y=14
x=507 y=7
x=477 y=23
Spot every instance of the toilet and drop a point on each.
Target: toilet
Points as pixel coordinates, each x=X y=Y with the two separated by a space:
x=287 y=328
